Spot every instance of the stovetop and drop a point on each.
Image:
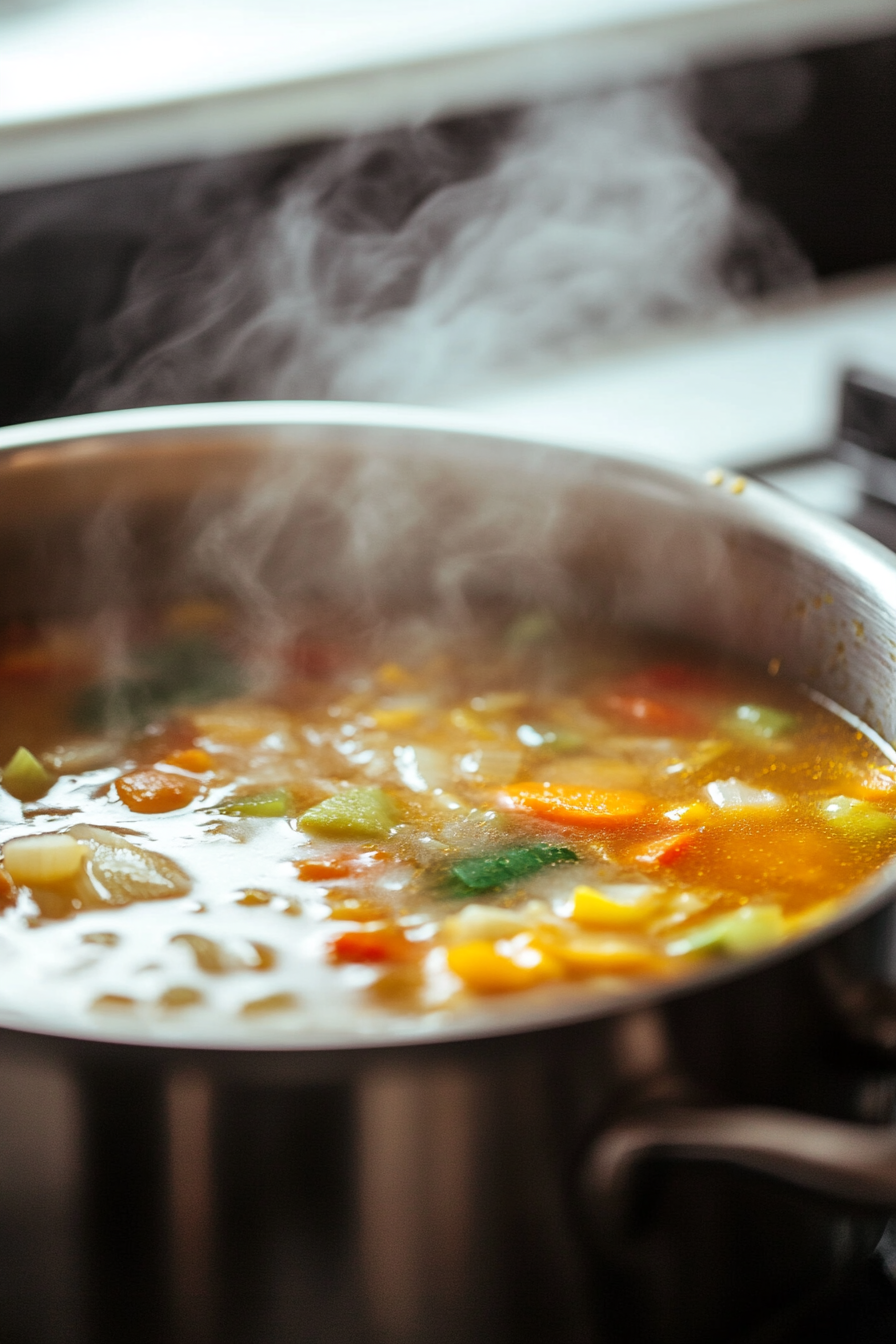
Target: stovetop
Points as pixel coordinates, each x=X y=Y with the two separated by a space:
x=838 y=480
x=864 y=1312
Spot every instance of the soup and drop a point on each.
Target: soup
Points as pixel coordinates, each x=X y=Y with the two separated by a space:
x=406 y=828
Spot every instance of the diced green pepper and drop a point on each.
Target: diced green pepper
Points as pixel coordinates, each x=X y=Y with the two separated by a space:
x=759 y=723
x=25 y=778
x=752 y=928
x=487 y=872
x=857 y=819
x=274 y=803
x=362 y=813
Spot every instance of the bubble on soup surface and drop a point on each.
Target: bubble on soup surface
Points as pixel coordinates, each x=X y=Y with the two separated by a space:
x=221 y=958
x=114 y=1003
x=179 y=997
x=272 y=1003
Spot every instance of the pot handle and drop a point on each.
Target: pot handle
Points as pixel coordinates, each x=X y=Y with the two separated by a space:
x=852 y=1163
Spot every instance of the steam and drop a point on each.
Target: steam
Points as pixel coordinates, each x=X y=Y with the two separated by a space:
x=414 y=265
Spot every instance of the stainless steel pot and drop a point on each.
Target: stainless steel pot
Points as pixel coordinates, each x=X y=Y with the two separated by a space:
x=683 y=1166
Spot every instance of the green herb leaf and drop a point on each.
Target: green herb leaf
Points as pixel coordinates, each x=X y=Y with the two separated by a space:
x=488 y=872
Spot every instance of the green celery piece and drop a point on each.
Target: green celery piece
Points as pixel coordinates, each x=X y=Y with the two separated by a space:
x=25 y=778
x=487 y=872
x=752 y=928
x=856 y=819
x=274 y=803
x=367 y=813
x=760 y=723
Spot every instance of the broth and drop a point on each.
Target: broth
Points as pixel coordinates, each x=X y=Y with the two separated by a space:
x=407 y=829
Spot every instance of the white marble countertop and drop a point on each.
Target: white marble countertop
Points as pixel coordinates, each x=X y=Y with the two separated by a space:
x=92 y=86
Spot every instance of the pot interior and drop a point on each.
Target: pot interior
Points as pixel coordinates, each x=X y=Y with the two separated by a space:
x=384 y=522
x=376 y=523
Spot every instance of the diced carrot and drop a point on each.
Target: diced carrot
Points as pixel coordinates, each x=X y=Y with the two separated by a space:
x=193 y=759
x=371 y=947
x=342 y=865
x=653 y=716
x=322 y=870
x=575 y=805
x=361 y=912
x=155 y=790
x=505 y=968
x=659 y=853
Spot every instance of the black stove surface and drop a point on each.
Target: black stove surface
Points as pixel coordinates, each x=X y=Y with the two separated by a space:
x=863 y=1310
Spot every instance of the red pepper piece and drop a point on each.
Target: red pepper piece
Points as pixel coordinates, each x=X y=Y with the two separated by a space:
x=372 y=947
x=659 y=853
x=682 y=678
x=316 y=659
x=654 y=716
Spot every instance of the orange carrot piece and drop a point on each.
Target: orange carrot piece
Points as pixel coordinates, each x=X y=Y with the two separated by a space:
x=575 y=805
x=193 y=759
x=342 y=865
x=155 y=791
x=322 y=870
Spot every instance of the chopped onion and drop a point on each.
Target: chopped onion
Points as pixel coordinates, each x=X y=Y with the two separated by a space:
x=121 y=872
x=733 y=793
x=42 y=860
x=490 y=765
x=490 y=922
x=422 y=768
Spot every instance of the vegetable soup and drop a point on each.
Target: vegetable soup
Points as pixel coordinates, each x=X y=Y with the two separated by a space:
x=406 y=829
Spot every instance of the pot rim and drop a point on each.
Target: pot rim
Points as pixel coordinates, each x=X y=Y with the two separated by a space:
x=777 y=514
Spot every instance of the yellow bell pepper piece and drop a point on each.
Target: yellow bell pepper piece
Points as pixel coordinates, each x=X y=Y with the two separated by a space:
x=689 y=814
x=393 y=720
x=395 y=677
x=594 y=910
x=505 y=967
x=591 y=954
